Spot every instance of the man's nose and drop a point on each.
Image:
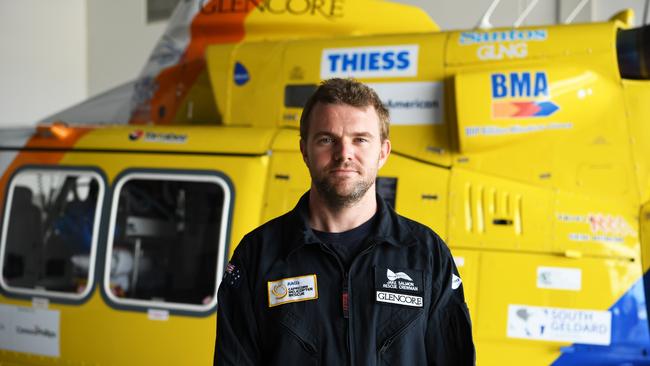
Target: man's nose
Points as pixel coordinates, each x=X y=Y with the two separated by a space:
x=344 y=150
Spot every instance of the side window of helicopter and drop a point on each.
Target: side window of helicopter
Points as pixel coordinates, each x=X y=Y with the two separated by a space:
x=49 y=232
x=296 y=96
x=167 y=240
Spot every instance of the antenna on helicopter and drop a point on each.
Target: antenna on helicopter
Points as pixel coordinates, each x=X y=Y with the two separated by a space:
x=575 y=11
x=525 y=13
x=485 y=20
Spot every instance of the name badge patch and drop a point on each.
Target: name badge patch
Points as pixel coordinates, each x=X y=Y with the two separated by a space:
x=399 y=286
x=292 y=289
x=399 y=299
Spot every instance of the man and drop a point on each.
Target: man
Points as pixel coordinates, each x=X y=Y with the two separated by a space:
x=342 y=279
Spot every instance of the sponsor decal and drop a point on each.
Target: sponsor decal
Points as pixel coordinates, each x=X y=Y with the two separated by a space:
x=501 y=51
x=370 y=62
x=498 y=45
x=412 y=103
x=559 y=278
x=455 y=282
x=290 y=117
x=36 y=331
x=471 y=38
x=328 y=9
x=399 y=299
x=40 y=303
x=158 y=314
x=602 y=227
x=609 y=224
x=241 y=75
x=158 y=137
x=399 y=286
x=30 y=330
x=521 y=91
x=523 y=109
x=474 y=131
x=409 y=281
x=292 y=289
x=136 y=135
x=559 y=325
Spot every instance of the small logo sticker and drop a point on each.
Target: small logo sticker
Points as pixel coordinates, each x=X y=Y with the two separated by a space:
x=292 y=289
x=135 y=135
x=241 y=74
x=158 y=137
x=455 y=281
x=558 y=278
x=279 y=291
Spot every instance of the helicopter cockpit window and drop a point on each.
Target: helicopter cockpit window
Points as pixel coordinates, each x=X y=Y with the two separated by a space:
x=167 y=237
x=49 y=232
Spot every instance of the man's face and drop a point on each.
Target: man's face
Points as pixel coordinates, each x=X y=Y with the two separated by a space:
x=343 y=151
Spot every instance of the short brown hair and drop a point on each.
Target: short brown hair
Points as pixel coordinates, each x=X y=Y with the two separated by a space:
x=345 y=91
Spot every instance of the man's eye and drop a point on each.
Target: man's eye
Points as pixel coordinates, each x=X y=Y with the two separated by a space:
x=325 y=140
x=361 y=139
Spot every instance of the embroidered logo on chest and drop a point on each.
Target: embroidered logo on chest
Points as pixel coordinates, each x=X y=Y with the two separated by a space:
x=292 y=289
x=399 y=286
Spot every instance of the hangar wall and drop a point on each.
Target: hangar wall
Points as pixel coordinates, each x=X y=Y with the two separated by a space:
x=120 y=41
x=57 y=53
x=43 y=58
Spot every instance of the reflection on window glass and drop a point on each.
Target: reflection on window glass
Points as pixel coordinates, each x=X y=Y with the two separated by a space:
x=49 y=230
x=166 y=240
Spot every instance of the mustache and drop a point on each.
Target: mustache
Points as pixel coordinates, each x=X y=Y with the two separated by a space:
x=344 y=165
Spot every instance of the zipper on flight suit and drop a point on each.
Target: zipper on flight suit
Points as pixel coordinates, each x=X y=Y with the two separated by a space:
x=345 y=292
x=344 y=286
x=345 y=304
x=345 y=299
x=388 y=342
x=369 y=248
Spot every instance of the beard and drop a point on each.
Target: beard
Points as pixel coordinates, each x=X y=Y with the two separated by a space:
x=344 y=192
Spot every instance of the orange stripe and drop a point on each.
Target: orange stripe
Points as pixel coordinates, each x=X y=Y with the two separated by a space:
x=39 y=158
x=209 y=26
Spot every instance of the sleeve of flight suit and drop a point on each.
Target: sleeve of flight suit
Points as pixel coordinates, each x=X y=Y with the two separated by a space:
x=237 y=332
x=449 y=329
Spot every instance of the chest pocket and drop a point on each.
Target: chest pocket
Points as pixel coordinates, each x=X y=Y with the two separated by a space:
x=292 y=342
x=401 y=341
x=402 y=296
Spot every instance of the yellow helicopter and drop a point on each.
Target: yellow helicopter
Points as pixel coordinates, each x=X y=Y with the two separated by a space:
x=525 y=148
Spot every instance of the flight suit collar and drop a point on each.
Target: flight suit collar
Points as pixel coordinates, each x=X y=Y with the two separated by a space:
x=390 y=228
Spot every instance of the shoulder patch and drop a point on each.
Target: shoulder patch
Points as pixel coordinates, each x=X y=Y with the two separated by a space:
x=232 y=275
x=455 y=282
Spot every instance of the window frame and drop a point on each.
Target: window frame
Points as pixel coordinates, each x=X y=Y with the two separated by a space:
x=198 y=176
x=22 y=292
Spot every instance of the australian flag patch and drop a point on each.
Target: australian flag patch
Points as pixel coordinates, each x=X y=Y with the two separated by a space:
x=232 y=275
